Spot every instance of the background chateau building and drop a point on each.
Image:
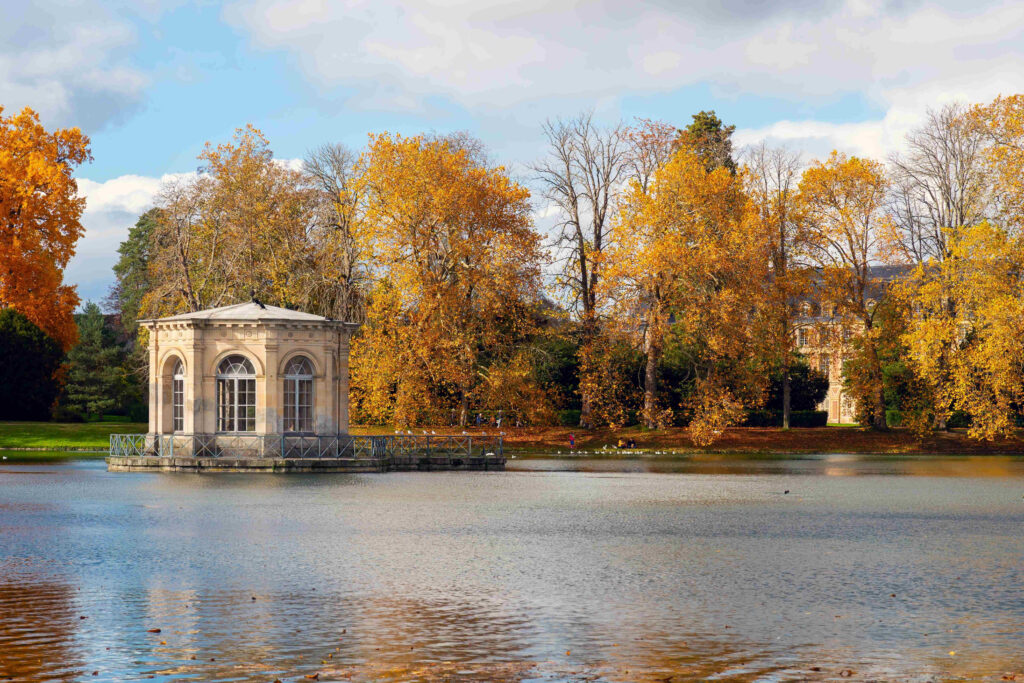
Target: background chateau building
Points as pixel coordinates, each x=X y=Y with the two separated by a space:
x=823 y=338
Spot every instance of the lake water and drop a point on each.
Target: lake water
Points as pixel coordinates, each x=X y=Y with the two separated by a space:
x=560 y=570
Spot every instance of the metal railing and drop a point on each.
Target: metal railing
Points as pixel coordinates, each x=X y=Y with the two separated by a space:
x=395 y=448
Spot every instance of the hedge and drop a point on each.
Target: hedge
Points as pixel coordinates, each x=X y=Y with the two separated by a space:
x=797 y=418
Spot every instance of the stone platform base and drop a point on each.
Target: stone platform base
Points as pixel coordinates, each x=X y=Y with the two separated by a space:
x=190 y=464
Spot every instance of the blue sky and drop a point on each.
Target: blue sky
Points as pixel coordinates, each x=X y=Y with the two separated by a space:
x=151 y=81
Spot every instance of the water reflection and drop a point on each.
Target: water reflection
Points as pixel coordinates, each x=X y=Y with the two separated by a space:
x=37 y=625
x=613 y=573
x=836 y=465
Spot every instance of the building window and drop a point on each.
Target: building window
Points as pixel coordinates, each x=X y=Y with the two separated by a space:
x=298 y=395
x=823 y=366
x=236 y=395
x=801 y=337
x=178 y=397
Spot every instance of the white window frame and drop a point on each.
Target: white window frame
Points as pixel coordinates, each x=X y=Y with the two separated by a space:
x=236 y=395
x=178 y=397
x=298 y=396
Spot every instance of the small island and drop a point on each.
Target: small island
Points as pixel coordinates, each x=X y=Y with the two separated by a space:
x=257 y=388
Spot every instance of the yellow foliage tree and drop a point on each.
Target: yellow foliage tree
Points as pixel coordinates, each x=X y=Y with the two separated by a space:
x=245 y=225
x=41 y=224
x=771 y=177
x=684 y=248
x=842 y=201
x=964 y=331
x=982 y=375
x=1003 y=122
x=456 y=263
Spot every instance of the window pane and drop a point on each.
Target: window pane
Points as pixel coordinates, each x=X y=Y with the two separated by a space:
x=177 y=405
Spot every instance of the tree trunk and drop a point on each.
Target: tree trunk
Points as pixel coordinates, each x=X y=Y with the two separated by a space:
x=878 y=391
x=786 y=392
x=651 y=382
x=464 y=410
x=586 y=348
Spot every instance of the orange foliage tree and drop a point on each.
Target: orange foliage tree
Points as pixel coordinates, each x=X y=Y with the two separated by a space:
x=41 y=213
x=455 y=261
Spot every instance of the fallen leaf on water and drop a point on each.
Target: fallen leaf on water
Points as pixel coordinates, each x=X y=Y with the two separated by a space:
x=567 y=652
x=952 y=653
x=846 y=673
x=163 y=642
x=315 y=677
x=153 y=630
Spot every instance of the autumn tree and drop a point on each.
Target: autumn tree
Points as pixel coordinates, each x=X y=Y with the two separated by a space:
x=1002 y=124
x=684 y=251
x=41 y=221
x=842 y=201
x=582 y=177
x=965 y=292
x=983 y=376
x=457 y=276
x=940 y=190
x=771 y=177
x=242 y=226
x=341 y=291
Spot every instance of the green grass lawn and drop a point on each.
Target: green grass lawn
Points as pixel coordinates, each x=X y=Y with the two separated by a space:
x=58 y=435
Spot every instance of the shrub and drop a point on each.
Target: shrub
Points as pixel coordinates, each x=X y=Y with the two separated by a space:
x=893 y=418
x=29 y=363
x=799 y=419
x=569 y=418
x=958 y=420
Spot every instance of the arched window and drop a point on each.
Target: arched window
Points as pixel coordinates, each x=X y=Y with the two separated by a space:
x=178 y=397
x=298 y=395
x=236 y=395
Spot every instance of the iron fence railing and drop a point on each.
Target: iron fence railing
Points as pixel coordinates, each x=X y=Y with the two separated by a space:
x=397 y=447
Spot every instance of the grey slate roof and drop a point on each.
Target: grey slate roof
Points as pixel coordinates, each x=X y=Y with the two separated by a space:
x=248 y=311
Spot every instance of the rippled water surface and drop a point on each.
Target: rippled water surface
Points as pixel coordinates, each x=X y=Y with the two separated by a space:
x=909 y=569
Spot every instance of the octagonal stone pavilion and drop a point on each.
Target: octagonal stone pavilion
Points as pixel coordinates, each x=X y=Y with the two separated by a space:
x=261 y=388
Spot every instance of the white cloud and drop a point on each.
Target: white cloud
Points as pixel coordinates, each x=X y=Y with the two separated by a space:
x=111 y=208
x=501 y=54
x=64 y=60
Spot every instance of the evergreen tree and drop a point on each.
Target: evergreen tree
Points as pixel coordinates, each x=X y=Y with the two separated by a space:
x=711 y=140
x=29 y=368
x=94 y=368
x=132 y=271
